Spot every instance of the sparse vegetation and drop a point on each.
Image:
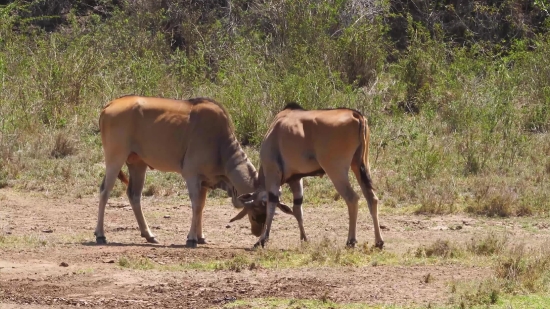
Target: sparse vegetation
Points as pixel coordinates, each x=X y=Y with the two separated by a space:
x=236 y=264
x=141 y=263
x=324 y=253
x=62 y=147
x=474 y=294
x=440 y=248
x=151 y=190
x=297 y=303
x=525 y=270
x=17 y=242
x=517 y=271
x=492 y=244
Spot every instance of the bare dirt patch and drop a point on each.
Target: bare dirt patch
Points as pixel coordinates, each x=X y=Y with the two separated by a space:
x=48 y=258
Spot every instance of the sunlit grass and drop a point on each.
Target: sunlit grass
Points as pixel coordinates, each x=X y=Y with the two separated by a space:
x=42 y=240
x=23 y=242
x=276 y=303
x=534 y=301
x=325 y=253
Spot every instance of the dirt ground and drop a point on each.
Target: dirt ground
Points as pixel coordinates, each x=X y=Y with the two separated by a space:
x=50 y=231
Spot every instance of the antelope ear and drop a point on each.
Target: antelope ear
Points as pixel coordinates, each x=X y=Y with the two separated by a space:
x=240 y=215
x=285 y=209
x=241 y=201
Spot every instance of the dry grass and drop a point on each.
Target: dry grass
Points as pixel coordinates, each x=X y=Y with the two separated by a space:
x=22 y=242
x=525 y=270
x=62 y=147
x=517 y=271
x=151 y=190
x=440 y=248
x=493 y=199
x=325 y=253
x=491 y=244
x=141 y=263
x=474 y=294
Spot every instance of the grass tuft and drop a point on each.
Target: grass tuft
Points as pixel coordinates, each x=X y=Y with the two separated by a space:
x=141 y=263
x=489 y=245
x=525 y=270
x=493 y=202
x=236 y=264
x=62 y=147
x=26 y=241
x=440 y=248
x=473 y=294
x=151 y=190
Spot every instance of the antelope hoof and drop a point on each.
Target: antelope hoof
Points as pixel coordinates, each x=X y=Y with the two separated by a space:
x=261 y=242
x=152 y=240
x=191 y=243
x=351 y=243
x=101 y=240
x=379 y=244
x=202 y=241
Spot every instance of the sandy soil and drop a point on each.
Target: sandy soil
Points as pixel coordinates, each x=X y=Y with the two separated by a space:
x=41 y=232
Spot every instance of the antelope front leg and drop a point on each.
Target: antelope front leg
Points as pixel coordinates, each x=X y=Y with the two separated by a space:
x=197 y=193
x=272 y=202
x=201 y=240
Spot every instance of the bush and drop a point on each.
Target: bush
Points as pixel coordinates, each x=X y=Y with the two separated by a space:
x=525 y=269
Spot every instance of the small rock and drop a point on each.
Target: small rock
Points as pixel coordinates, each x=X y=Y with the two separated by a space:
x=64 y=264
x=383 y=227
x=109 y=261
x=439 y=228
x=47 y=231
x=228 y=226
x=230 y=298
x=167 y=217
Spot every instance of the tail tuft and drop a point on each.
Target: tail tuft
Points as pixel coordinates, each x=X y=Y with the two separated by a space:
x=365 y=177
x=123 y=178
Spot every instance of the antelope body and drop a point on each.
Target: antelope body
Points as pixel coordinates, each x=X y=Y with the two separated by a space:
x=302 y=143
x=194 y=138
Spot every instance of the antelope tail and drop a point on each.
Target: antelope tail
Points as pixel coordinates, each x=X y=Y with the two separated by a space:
x=364 y=169
x=123 y=178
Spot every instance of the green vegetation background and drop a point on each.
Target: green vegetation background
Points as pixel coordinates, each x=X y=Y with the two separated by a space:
x=457 y=93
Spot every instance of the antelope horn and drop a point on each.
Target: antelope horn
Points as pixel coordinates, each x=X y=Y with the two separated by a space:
x=240 y=215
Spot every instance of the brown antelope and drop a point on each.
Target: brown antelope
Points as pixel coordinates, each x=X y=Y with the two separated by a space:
x=301 y=143
x=194 y=138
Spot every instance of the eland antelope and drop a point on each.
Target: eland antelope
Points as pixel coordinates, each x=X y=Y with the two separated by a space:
x=194 y=138
x=301 y=143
